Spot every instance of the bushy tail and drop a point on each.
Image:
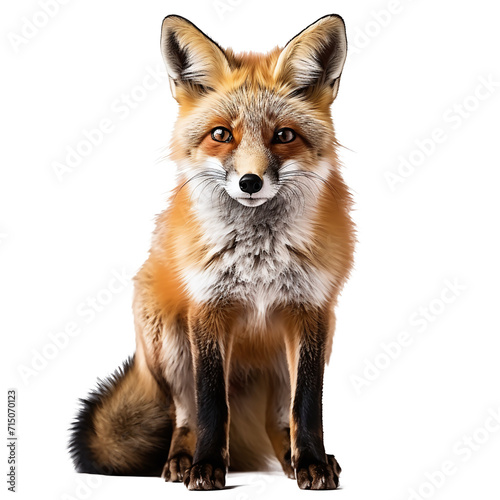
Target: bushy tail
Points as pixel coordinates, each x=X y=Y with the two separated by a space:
x=124 y=427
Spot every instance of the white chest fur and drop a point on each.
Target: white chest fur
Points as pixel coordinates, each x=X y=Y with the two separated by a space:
x=257 y=257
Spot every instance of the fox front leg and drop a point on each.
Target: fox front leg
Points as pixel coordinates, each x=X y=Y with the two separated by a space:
x=306 y=346
x=209 y=345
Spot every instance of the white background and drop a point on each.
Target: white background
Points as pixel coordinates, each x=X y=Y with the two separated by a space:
x=413 y=67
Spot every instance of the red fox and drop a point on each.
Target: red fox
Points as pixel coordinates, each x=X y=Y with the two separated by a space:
x=234 y=307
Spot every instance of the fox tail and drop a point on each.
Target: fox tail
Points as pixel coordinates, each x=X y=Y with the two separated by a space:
x=124 y=426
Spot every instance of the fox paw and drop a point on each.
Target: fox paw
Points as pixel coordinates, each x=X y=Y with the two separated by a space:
x=286 y=464
x=205 y=476
x=319 y=476
x=176 y=467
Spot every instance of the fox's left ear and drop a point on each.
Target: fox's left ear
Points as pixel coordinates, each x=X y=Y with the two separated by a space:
x=316 y=56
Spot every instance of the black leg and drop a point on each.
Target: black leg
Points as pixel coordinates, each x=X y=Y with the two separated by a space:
x=314 y=469
x=210 y=459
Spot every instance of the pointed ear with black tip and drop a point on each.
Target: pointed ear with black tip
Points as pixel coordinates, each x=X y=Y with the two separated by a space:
x=194 y=62
x=315 y=57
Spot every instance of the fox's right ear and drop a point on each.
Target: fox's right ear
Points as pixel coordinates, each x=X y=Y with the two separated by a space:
x=194 y=62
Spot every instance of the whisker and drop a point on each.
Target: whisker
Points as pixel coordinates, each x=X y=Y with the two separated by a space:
x=203 y=184
x=203 y=175
x=219 y=167
x=293 y=191
x=303 y=184
x=312 y=175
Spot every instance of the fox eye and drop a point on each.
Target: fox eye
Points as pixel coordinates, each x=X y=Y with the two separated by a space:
x=284 y=136
x=221 y=134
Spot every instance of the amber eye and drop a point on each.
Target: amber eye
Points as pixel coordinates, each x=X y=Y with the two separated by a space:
x=221 y=134
x=284 y=136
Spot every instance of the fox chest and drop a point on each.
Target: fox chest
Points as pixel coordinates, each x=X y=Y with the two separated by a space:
x=259 y=266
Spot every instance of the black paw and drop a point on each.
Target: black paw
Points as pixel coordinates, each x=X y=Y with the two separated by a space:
x=288 y=470
x=286 y=464
x=176 y=467
x=319 y=476
x=206 y=475
x=335 y=465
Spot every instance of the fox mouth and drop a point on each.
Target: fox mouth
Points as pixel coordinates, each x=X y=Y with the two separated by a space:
x=250 y=195
x=251 y=202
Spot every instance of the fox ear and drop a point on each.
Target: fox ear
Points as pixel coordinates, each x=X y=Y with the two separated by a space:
x=193 y=60
x=316 y=56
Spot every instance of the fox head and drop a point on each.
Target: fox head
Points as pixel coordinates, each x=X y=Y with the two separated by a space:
x=254 y=127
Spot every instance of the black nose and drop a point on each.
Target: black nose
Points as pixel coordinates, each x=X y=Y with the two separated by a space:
x=250 y=183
